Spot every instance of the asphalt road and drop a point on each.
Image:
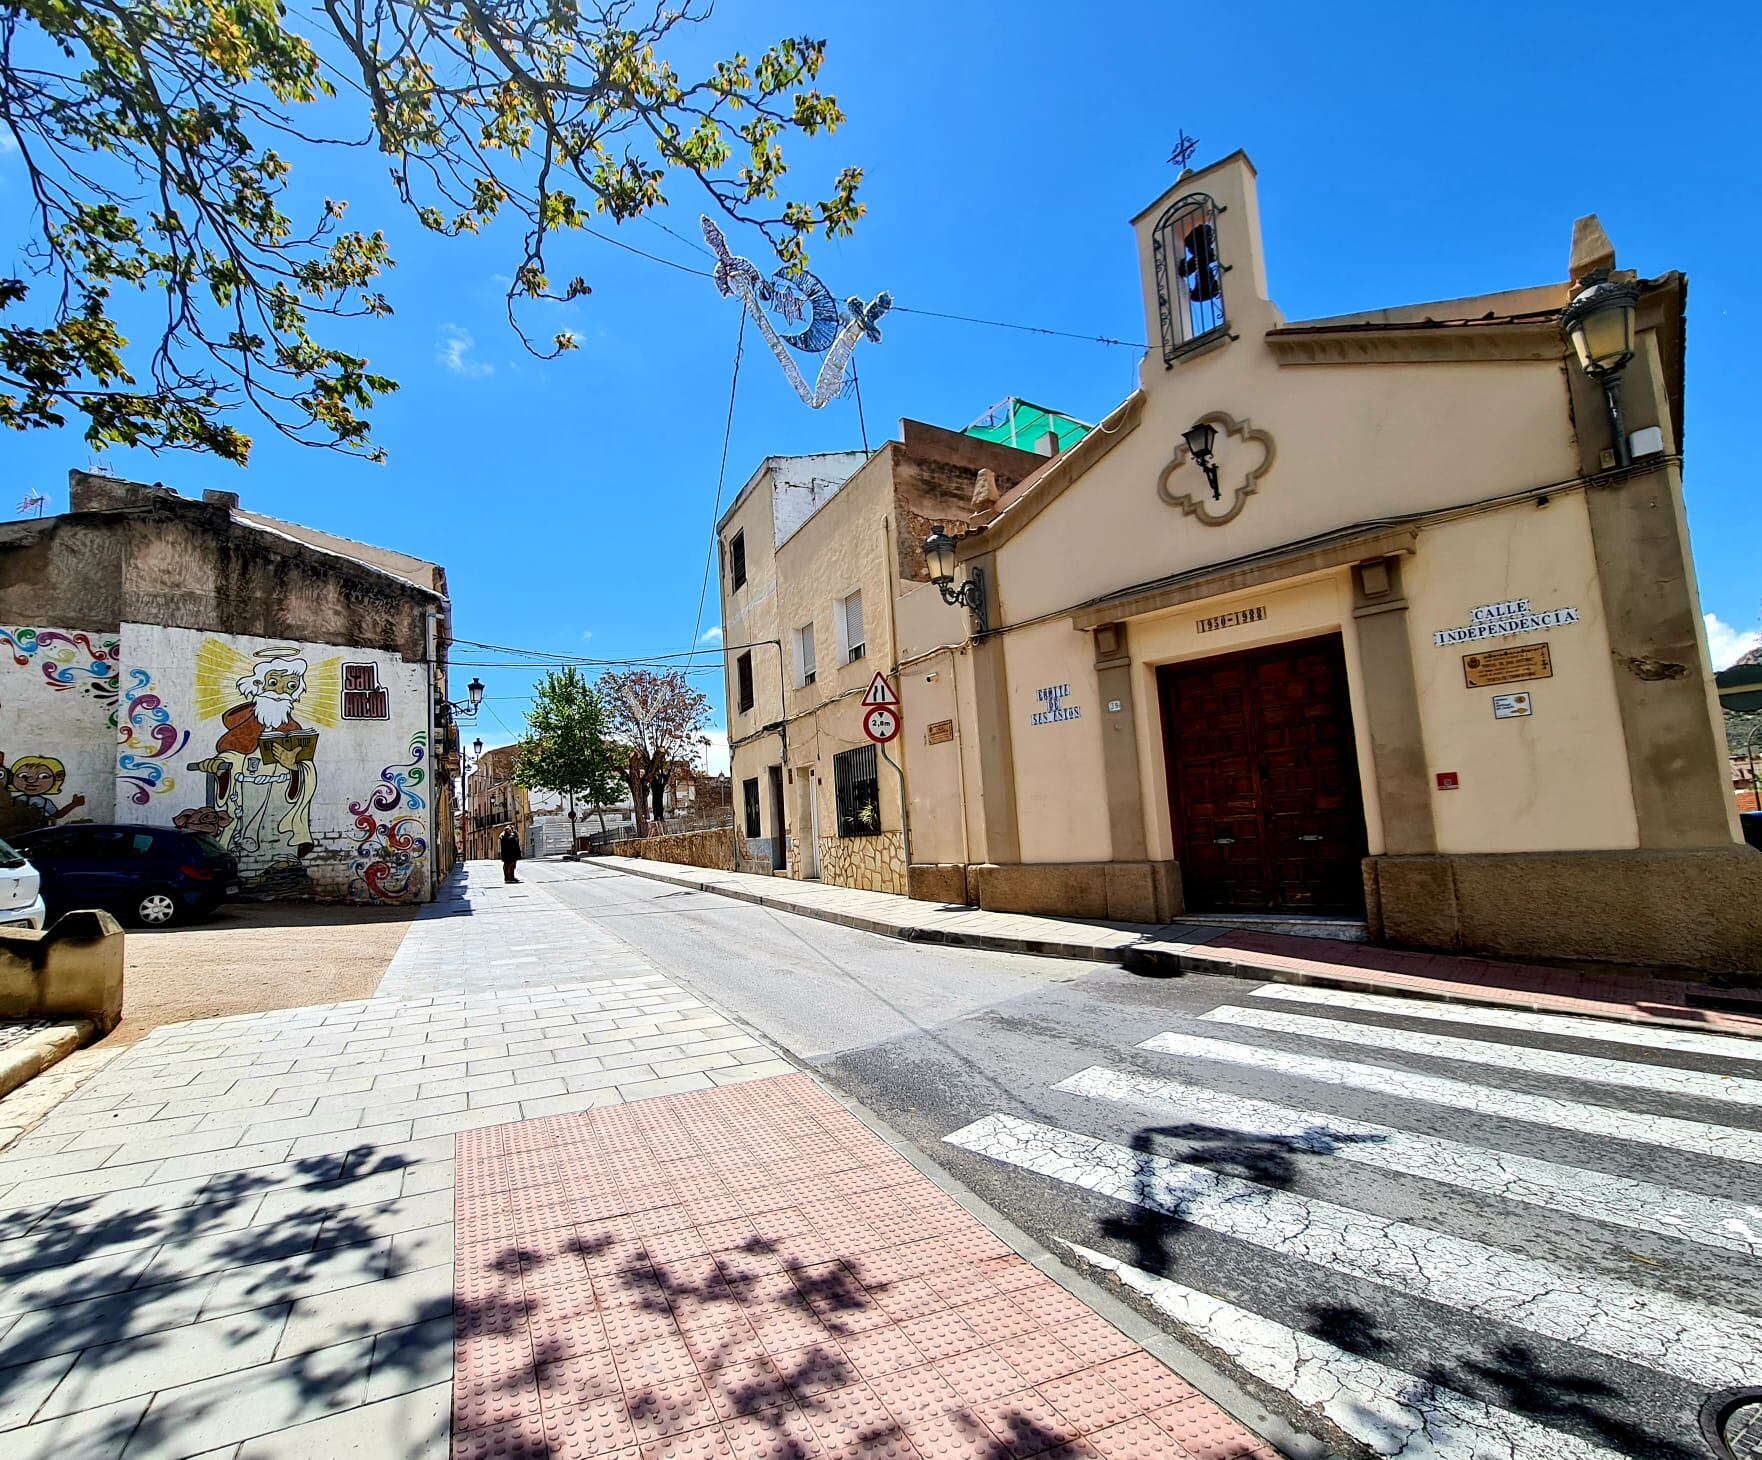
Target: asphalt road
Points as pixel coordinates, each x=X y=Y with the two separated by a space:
x=1413 y=1228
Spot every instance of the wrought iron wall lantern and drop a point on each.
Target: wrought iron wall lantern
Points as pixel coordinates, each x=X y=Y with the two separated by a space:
x=1599 y=325
x=1200 y=437
x=939 y=557
x=466 y=709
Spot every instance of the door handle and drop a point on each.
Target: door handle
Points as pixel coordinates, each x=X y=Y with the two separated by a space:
x=1223 y=841
x=1313 y=837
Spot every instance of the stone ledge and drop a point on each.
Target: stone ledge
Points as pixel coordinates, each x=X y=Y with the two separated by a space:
x=26 y=1058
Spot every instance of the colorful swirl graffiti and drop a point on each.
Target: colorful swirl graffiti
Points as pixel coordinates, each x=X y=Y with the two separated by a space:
x=390 y=845
x=69 y=661
x=146 y=739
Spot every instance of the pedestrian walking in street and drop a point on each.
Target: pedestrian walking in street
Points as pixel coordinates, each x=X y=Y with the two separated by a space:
x=510 y=855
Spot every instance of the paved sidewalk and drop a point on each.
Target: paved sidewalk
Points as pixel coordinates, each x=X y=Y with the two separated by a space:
x=1280 y=958
x=237 y=1238
x=752 y=1274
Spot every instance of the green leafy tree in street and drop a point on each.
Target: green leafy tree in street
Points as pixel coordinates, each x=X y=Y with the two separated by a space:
x=660 y=719
x=175 y=150
x=567 y=749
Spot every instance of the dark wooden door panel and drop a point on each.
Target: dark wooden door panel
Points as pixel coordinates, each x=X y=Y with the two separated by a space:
x=1263 y=781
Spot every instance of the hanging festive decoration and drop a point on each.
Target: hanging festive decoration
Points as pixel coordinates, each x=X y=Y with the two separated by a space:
x=800 y=300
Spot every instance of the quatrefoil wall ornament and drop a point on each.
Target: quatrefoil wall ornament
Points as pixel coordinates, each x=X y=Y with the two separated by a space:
x=1198 y=502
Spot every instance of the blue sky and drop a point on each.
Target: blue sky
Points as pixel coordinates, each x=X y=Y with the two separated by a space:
x=1405 y=153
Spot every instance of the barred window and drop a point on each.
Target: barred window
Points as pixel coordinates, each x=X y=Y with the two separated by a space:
x=859 y=792
x=1189 y=275
x=749 y=791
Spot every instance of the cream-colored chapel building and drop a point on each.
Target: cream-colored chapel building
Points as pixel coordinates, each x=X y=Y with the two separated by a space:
x=1417 y=640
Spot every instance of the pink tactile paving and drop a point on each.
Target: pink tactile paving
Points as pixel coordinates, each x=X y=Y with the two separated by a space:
x=750 y=1273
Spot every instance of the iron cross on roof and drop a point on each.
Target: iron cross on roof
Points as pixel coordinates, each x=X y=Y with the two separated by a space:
x=1184 y=150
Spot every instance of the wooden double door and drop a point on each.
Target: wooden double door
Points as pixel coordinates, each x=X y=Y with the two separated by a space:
x=1263 y=781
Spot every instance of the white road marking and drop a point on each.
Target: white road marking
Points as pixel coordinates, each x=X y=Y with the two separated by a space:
x=1704 y=1344
x=1388 y=1412
x=1595 y=1120
x=1635 y=1076
x=1641 y=1205
x=1567 y=1026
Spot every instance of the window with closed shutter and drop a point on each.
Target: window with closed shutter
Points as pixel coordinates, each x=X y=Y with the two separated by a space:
x=859 y=792
x=749 y=791
x=737 y=560
x=805 y=668
x=743 y=681
x=852 y=610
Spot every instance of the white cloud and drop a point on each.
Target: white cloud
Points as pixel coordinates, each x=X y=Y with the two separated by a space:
x=1726 y=645
x=711 y=635
x=586 y=634
x=716 y=752
x=456 y=346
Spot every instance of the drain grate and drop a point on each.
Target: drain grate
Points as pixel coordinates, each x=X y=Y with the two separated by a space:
x=1732 y=1423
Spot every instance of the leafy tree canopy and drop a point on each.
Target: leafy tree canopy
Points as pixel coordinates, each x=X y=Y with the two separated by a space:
x=159 y=141
x=567 y=749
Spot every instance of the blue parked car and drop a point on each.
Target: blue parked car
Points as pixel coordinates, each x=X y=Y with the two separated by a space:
x=152 y=874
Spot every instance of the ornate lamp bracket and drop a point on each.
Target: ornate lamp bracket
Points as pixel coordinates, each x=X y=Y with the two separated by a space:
x=1200 y=503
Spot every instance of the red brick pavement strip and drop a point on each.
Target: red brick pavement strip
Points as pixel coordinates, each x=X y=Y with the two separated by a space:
x=1634 y=997
x=750 y=1273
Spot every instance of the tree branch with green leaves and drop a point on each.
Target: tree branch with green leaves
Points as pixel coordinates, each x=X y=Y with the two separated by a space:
x=159 y=140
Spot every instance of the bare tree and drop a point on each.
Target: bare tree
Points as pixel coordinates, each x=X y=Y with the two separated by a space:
x=660 y=717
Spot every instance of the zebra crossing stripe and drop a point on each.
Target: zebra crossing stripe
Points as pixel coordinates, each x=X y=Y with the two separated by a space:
x=1566 y=1026
x=1386 y=1411
x=1634 y=1076
x=1640 y=1205
x=1690 y=1136
x=1699 y=1342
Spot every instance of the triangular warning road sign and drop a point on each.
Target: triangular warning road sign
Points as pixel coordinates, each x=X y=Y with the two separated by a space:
x=880 y=692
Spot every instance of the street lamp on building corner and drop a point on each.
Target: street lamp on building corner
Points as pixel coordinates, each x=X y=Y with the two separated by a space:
x=1599 y=325
x=939 y=550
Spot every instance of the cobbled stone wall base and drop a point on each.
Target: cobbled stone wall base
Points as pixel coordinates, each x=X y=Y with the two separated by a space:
x=870 y=863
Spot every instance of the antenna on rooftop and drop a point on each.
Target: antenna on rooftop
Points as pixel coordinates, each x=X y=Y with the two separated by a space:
x=1183 y=153
x=33 y=505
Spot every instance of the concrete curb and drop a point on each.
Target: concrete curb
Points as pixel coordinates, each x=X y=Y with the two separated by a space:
x=37 y=1052
x=1137 y=957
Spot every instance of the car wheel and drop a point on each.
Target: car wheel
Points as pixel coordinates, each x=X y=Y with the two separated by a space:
x=156 y=908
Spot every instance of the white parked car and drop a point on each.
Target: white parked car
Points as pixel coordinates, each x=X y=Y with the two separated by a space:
x=21 y=898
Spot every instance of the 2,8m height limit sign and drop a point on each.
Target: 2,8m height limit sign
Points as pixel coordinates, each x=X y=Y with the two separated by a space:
x=881 y=720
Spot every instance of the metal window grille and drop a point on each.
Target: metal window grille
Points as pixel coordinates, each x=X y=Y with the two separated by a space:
x=1189 y=275
x=749 y=792
x=743 y=681
x=859 y=792
x=737 y=559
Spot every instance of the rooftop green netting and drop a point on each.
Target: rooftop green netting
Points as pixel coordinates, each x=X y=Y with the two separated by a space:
x=1022 y=424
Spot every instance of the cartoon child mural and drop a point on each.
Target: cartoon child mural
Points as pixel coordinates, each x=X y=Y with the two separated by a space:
x=34 y=780
x=262 y=773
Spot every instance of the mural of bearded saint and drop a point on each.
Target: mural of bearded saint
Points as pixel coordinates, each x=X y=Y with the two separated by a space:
x=263 y=771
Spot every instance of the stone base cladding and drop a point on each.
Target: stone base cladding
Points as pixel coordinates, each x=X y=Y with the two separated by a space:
x=1132 y=892
x=869 y=863
x=944 y=882
x=1699 y=909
